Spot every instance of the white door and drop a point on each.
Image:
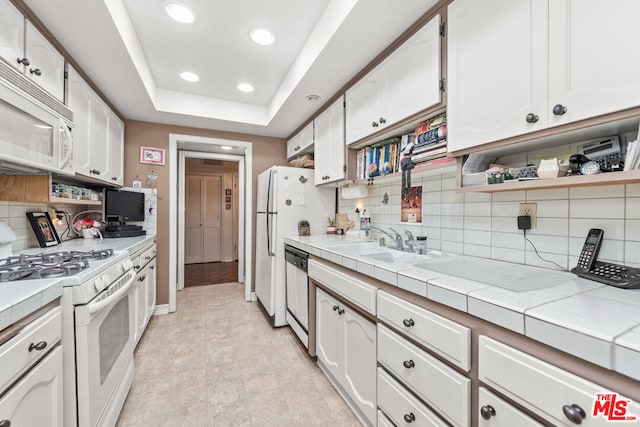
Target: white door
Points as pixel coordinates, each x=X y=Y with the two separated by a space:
x=202 y=219
x=579 y=32
x=37 y=399
x=100 y=116
x=329 y=333
x=359 y=351
x=363 y=107
x=116 y=150
x=329 y=144
x=497 y=70
x=410 y=89
x=46 y=66
x=11 y=33
x=151 y=289
x=235 y=216
x=141 y=305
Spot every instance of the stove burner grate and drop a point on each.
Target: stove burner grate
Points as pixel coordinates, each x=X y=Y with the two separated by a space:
x=48 y=265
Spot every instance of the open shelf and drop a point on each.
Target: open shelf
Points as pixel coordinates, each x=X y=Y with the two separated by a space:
x=449 y=165
x=608 y=178
x=65 y=201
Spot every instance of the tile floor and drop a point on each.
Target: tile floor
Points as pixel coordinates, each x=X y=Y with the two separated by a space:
x=217 y=362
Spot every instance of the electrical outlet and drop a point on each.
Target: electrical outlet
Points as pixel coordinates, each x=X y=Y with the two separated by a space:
x=530 y=209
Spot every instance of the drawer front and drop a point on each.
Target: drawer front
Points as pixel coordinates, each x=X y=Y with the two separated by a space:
x=354 y=290
x=495 y=412
x=545 y=389
x=383 y=421
x=398 y=403
x=445 y=390
x=443 y=336
x=36 y=339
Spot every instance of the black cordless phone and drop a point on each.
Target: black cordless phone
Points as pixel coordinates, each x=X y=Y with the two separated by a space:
x=588 y=267
x=589 y=254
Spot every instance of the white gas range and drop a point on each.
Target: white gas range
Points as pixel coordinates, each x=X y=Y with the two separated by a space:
x=98 y=326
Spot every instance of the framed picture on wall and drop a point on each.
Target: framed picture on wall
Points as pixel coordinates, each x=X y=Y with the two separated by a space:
x=150 y=155
x=43 y=228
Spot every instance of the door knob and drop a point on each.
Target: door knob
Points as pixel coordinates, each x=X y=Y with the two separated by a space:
x=35 y=71
x=409 y=418
x=26 y=62
x=382 y=120
x=335 y=307
x=408 y=364
x=408 y=323
x=574 y=413
x=374 y=124
x=487 y=412
x=532 y=118
x=559 y=109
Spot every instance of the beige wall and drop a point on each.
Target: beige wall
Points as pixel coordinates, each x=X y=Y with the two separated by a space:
x=267 y=151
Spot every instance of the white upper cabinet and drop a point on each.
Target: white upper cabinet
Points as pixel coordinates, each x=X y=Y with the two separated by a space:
x=517 y=66
x=46 y=64
x=300 y=143
x=329 y=146
x=11 y=33
x=405 y=83
x=99 y=133
x=26 y=49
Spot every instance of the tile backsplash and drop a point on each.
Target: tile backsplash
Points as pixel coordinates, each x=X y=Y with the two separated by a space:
x=484 y=224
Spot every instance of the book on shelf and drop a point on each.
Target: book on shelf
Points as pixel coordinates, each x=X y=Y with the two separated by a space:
x=431 y=154
x=436 y=161
x=427 y=147
x=431 y=135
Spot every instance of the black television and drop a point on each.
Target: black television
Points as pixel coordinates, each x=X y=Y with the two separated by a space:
x=122 y=206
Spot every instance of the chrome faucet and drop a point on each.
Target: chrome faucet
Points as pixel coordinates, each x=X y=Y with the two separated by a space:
x=392 y=236
x=398 y=239
x=410 y=242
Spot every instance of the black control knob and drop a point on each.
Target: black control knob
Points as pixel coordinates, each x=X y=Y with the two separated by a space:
x=25 y=62
x=532 y=118
x=574 y=413
x=487 y=412
x=408 y=323
x=408 y=364
x=559 y=109
x=409 y=418
x=35 y=71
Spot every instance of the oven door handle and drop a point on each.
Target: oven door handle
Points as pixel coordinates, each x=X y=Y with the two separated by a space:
x=97 y=306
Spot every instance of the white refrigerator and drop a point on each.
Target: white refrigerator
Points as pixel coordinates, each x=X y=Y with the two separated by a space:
x=285 y=196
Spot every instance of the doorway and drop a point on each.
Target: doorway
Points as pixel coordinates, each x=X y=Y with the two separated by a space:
x=211 y=222
x=182 y=147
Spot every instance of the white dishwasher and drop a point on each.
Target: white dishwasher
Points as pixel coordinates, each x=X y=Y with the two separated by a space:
x=297 y=283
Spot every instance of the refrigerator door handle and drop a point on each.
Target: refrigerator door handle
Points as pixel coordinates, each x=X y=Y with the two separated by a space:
x=271 y=238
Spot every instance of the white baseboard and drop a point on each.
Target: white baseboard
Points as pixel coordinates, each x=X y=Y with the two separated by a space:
x=161 y=309
x=254 y=297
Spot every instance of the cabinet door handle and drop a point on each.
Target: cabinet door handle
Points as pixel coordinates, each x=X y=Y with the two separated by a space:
x=335 y=307
x=341 y=311
x=35 y=71
x=374 y=124
x=408 y=323
x=409 y=418
x=532 y=118
x=559 y=109
x=382 y=120
x=5 y=423
x=487 y=412
x=25 y=62
x=408 y=364
x=153 y=267
x=114 y=178
x=39 y=346
x=574 y=413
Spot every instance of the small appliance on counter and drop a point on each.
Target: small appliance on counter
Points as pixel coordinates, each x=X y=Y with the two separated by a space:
x=303 y=228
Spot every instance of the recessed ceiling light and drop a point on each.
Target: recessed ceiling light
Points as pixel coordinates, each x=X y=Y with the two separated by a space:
x=313 y=98
x=226 y=147
x=245 y=87
x=262 y=36
x=180 y=12
x=189 y=76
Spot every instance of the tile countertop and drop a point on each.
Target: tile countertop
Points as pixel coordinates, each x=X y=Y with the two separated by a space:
x=590 y=320
x=21 y=298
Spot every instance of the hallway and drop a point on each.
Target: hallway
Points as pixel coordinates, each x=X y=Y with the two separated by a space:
x=210 y=273
x=217 y=362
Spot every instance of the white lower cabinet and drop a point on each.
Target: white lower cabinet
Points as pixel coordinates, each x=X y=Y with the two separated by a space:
x=346 y=349
x=401 y=406
x=558 y=396
x=36 y=400
x=442 y=388
x=495 y=412
x=383 y=421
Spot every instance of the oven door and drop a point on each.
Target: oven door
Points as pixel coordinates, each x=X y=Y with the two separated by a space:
x=104 y=347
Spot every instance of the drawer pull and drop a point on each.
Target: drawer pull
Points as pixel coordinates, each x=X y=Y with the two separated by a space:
x=408 y=323
x=39 y=346
x=409 y=418
x=336 y=307
x=409 y=364
x=574 y=413
x=5 y=423
x=487 y=412
x=341 y=311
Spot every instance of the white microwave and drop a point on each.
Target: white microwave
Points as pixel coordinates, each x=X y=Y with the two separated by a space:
x=32 y=135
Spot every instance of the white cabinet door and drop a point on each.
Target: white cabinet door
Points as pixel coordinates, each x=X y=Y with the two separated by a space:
x=412 y=75
x=495 y=412
x=100 y=116
x=46 y=66
x=329 y=146
x=80 y=97
x=328 y=341
x=36 y=400
x=362 y=107
x=359 y=352
x=497 y=70
x=579 y=32
x=293 y=146
x=11 y=34
x=116 y=150
x=141 y=302
x=151 y=289
x=306 y=137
